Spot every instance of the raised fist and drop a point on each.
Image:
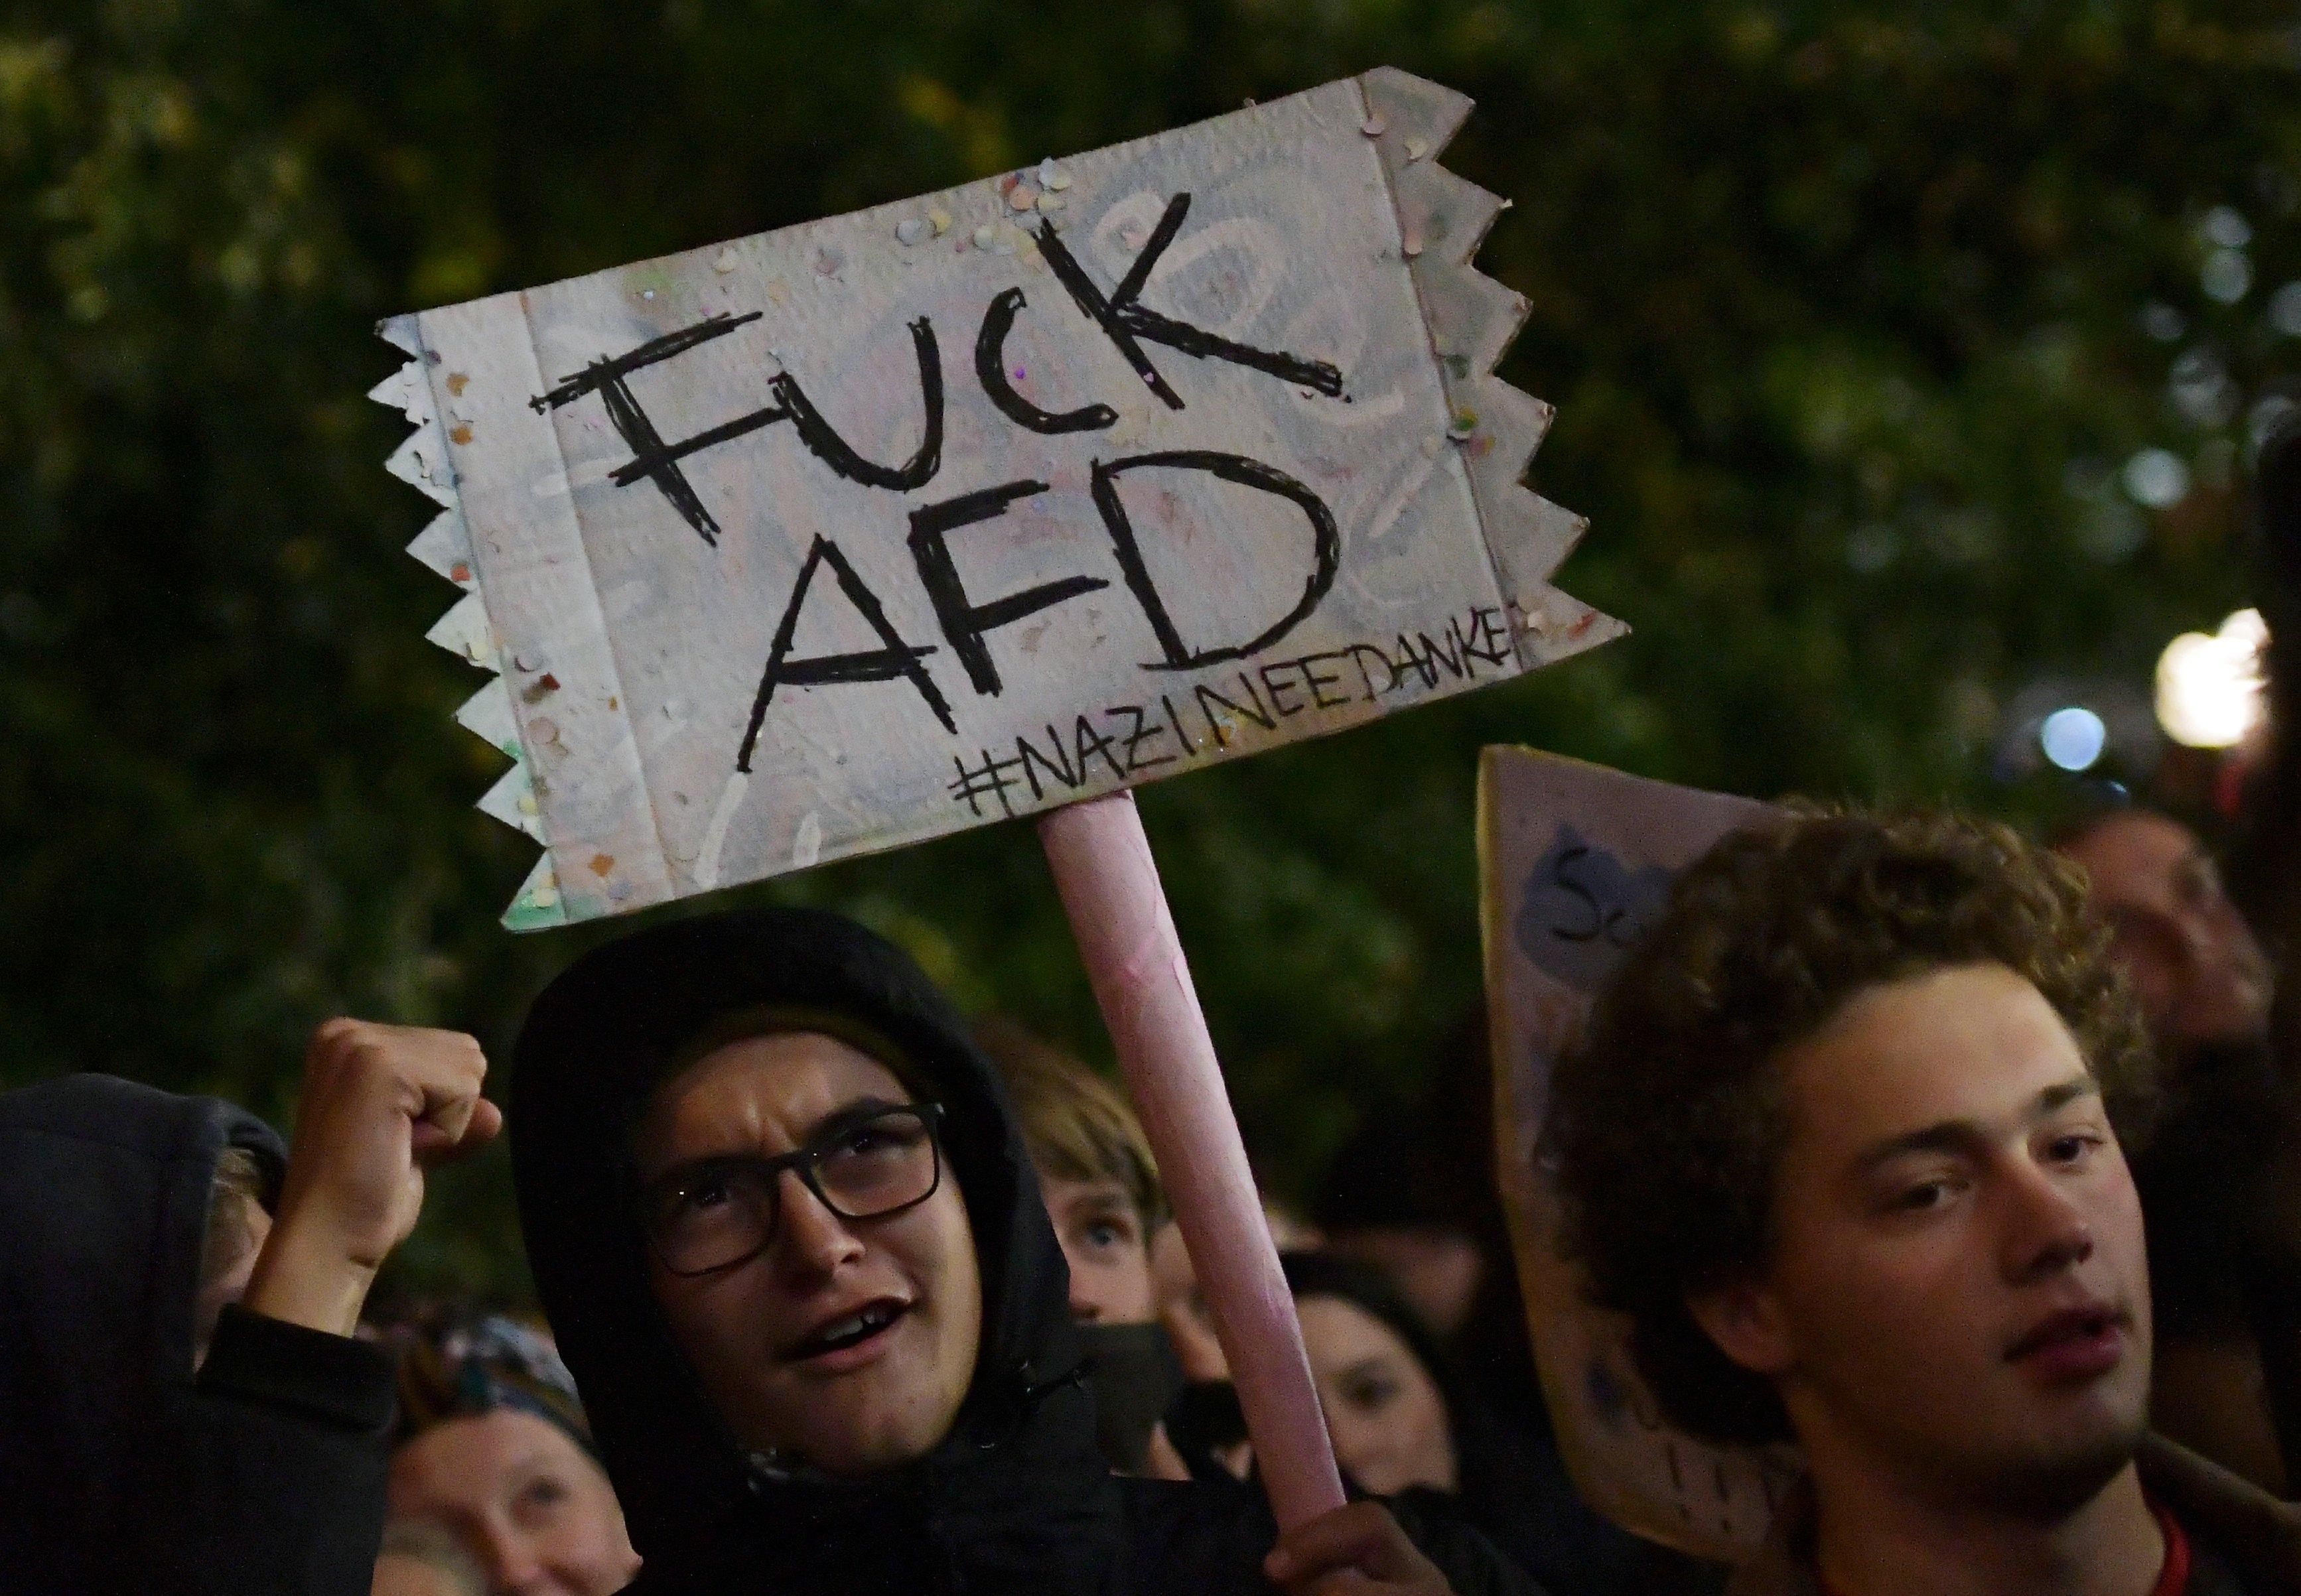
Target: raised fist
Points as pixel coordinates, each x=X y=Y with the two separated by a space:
x=382 y=1103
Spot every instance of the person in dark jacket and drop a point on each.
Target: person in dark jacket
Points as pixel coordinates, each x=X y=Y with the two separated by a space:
x=1404 y=1417
x=791 y=1398
x=155 y=1436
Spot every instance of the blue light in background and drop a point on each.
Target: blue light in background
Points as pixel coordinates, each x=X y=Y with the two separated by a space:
x=2073 y=737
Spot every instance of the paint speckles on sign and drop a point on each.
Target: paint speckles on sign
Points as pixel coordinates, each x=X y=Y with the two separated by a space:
x=752 y=492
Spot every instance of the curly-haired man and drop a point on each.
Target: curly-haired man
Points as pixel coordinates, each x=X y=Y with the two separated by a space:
x=1840 y=1143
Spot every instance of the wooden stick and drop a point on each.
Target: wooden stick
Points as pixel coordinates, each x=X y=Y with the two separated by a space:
x=1117 y=910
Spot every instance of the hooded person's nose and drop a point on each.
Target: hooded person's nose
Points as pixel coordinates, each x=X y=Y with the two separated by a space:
x=814 y=1241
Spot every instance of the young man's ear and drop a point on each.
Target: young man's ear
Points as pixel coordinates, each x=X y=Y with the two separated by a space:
x=1745 y=1321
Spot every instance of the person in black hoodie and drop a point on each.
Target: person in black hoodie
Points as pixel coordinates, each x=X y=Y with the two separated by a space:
x=794 y=1402
x=155 y=1436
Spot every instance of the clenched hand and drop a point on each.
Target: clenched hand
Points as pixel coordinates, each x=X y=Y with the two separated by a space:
x=382 y=1103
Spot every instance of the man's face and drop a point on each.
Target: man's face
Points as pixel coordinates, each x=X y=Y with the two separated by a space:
x=1102 y=1240
x=530 y=1504
x=775 y=1338
x=2202 y=976
x=1958 y=1295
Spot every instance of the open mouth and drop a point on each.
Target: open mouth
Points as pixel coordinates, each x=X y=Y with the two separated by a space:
x=849 y=1330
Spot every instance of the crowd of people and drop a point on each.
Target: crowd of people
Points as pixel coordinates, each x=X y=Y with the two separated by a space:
x=1964 y=1165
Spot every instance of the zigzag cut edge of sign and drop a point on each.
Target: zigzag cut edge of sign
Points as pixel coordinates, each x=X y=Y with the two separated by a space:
x=1443 y=218
x=1472 y=320
x=444 y=546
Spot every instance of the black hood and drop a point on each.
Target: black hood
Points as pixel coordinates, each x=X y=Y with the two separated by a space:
x=1018 y=1498
x=105 y=1192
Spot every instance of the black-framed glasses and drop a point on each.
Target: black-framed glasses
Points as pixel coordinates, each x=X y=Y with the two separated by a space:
x=868 y=1162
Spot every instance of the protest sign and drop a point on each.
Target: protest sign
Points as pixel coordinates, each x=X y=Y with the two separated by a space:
x=1574 y=861
x=997 y=501
x=841 y=537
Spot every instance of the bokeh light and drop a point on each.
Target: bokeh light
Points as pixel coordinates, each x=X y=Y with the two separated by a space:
x=2073 y=738
x=2209 y=685
x=2157 y=478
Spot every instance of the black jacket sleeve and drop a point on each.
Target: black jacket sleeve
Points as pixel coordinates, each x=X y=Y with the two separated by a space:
x=275 y=1477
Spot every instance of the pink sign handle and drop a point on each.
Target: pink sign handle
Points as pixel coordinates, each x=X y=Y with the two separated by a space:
x=1117 y=910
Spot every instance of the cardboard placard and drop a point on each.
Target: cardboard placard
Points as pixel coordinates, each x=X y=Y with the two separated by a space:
x=845 y=536
x=1574 y=860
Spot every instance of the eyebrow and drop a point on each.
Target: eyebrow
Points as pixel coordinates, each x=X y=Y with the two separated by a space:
x=1104 y=1196
x=1965 y=1135
x=852 y=1112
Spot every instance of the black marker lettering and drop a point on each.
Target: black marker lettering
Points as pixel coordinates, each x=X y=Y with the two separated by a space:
x=1176 y=721
x=1449 y=656
x=1325 y=546
x=1494 y=641
x=964 y=621
x=1318 y=684
x=991 y=372
x=898 y=658
x=1086 y=740
x=1137 y=735
x=1281 y=686
x=1124 y=321
x=1410 y=664
x=826 y=443
x=651 y=457
x=1059 y=767
x=1209 y=697
x=1358 y=652
x=987 y=779
x=1246 y=683
x=656 y=461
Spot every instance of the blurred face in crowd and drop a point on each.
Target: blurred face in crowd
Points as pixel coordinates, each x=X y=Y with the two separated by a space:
x=1102 y=1240
x=1957 y=1298
x=528 y=1503
x=1384 y=1412
x=2202 y=976
x=1437 y=1268
x=849 y=1344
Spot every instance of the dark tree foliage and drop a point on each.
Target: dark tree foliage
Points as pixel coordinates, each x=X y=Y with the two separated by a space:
x=1862 y=324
